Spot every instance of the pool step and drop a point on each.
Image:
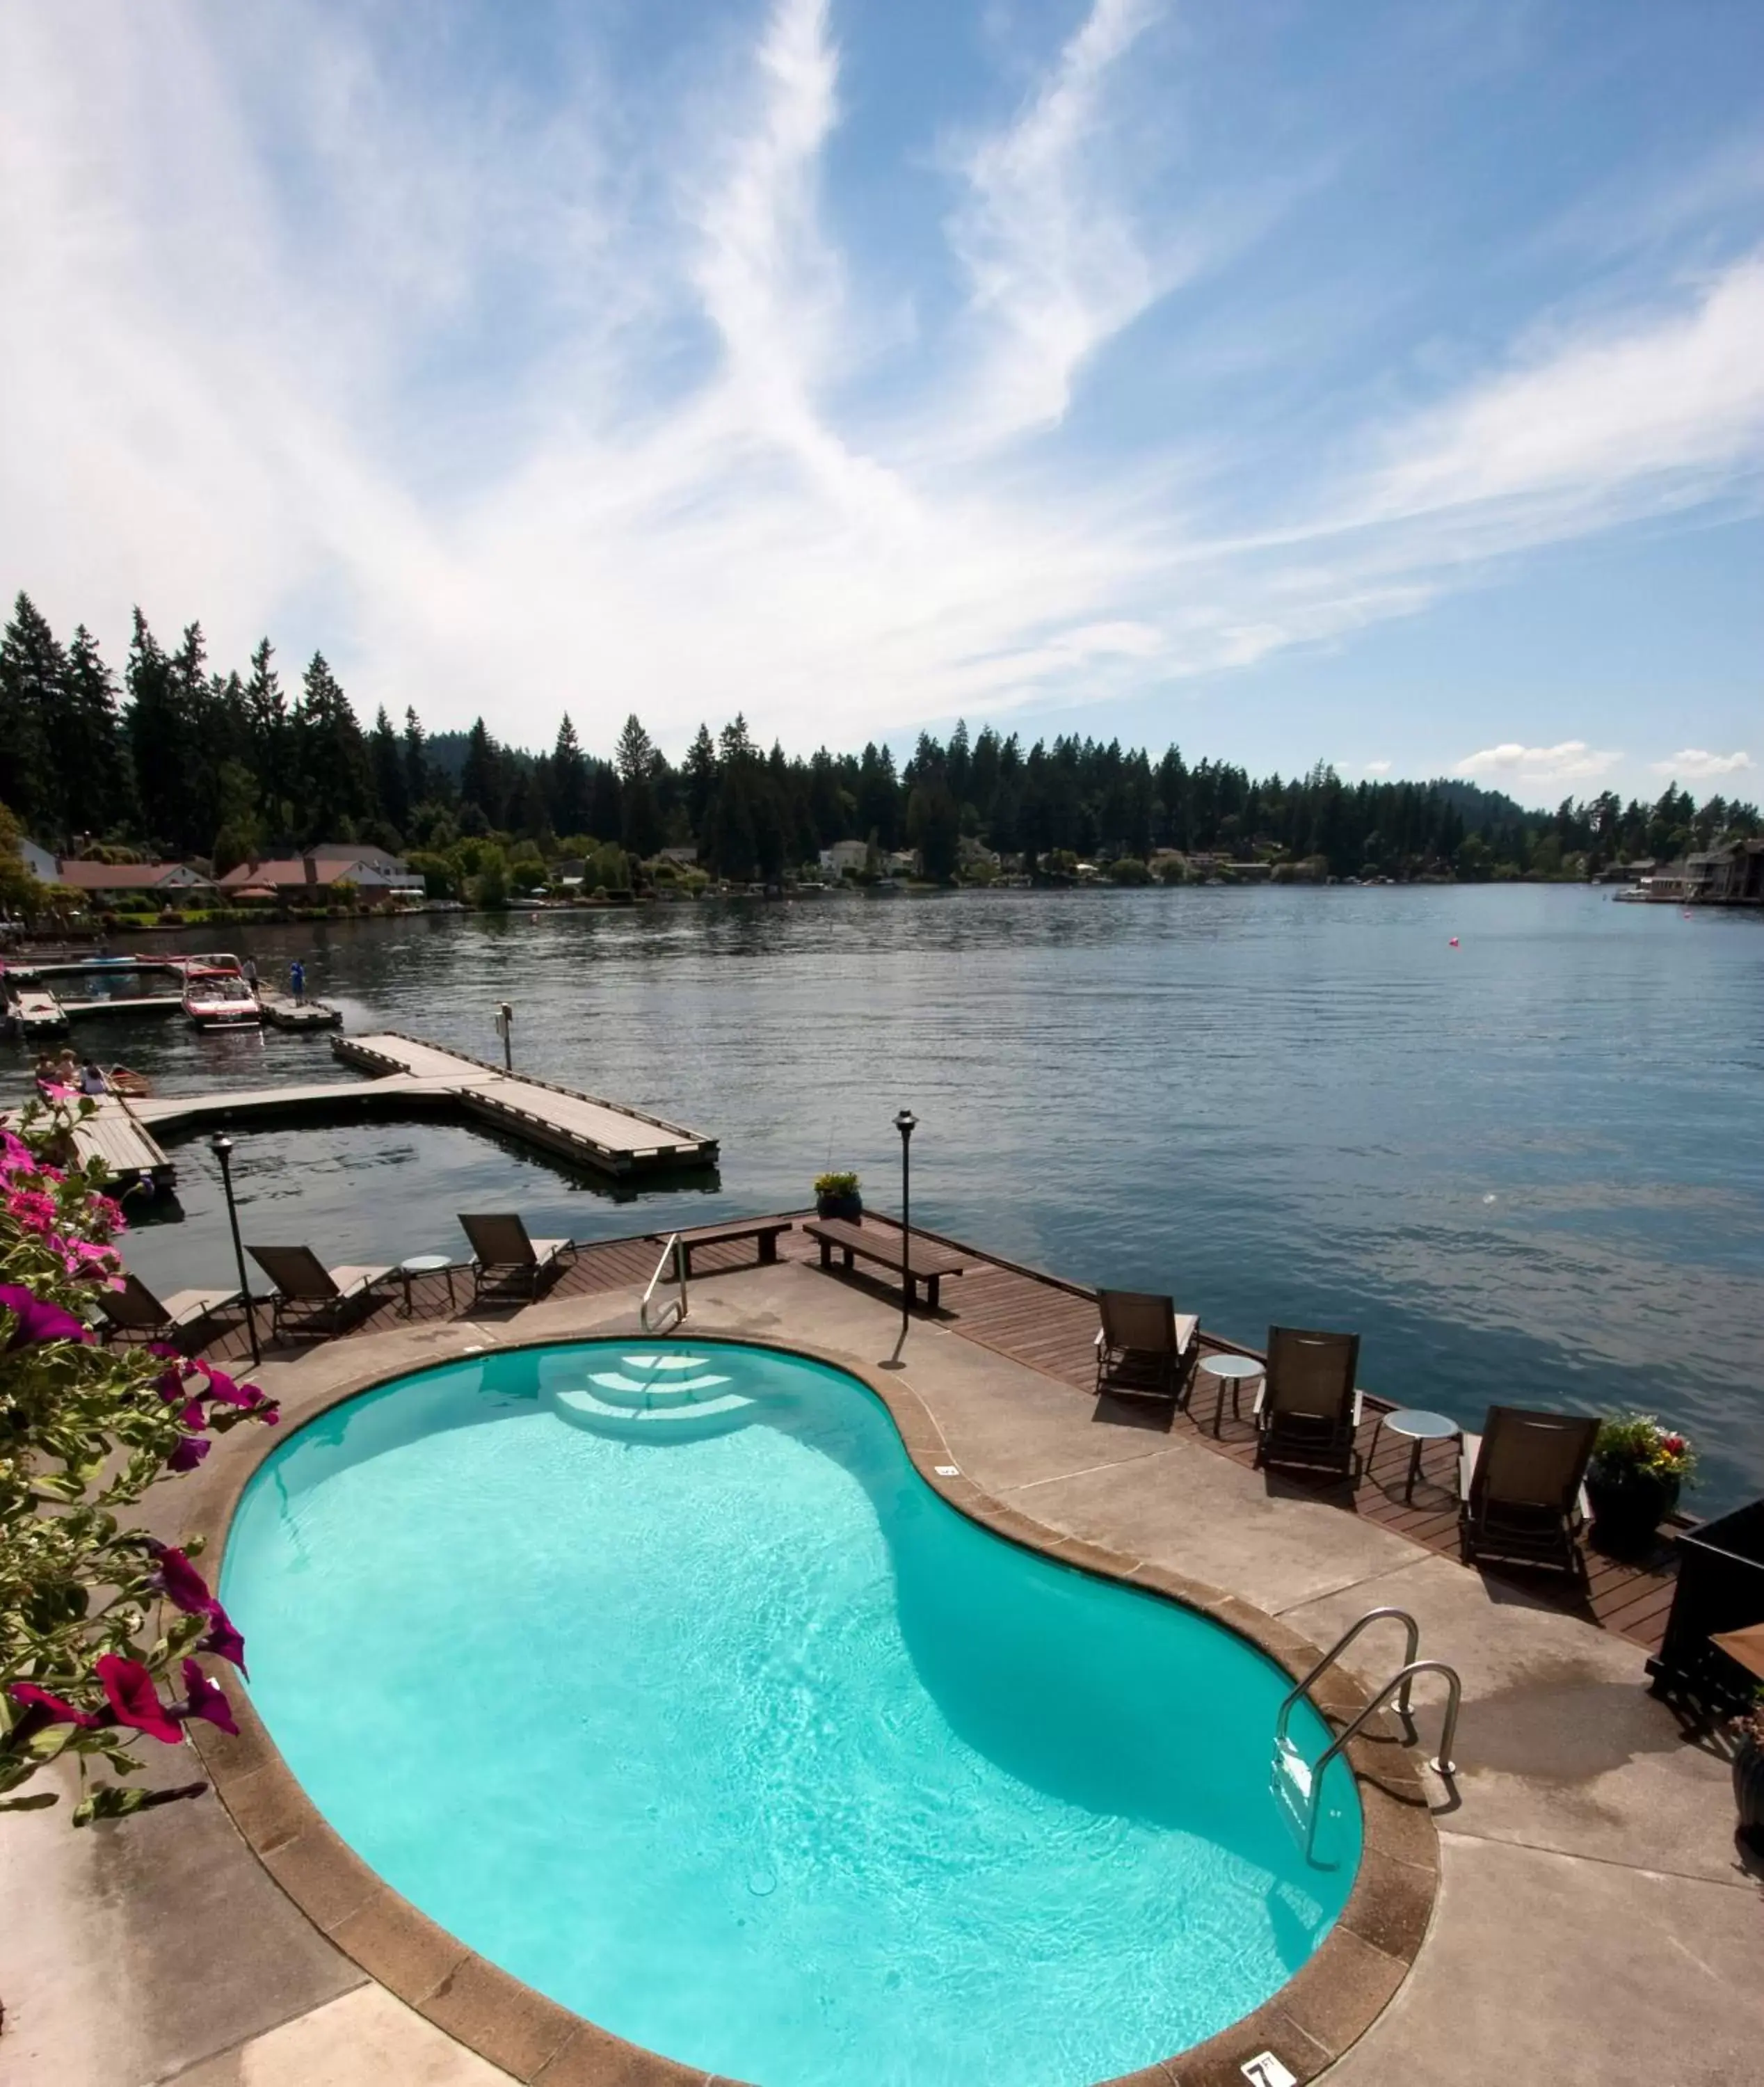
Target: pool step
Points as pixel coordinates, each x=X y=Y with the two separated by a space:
x=653 y=1398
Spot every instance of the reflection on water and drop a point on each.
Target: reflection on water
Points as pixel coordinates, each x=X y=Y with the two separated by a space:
x=1290 y=1105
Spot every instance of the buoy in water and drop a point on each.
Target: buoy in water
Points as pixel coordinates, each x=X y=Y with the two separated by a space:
x=1454 y=941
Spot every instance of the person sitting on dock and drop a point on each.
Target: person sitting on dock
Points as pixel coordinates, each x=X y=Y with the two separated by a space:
x=91 y=1079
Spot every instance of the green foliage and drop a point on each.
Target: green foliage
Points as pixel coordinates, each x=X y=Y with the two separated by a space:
x=1634 y=1443
x=1129 y=869
x=86 y=1598
x=836 y=1185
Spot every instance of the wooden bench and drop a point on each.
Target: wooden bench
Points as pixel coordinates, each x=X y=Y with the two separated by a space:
x=928 y=1262
x=767 y=1231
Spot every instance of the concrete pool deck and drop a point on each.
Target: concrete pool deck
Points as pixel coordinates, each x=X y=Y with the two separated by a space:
x=1593 y=1922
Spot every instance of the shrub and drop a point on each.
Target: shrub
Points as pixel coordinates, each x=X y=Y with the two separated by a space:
x=95 y=1616
x=836 y=1185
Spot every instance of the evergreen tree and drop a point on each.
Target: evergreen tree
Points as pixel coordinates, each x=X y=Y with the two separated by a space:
x=418 y=775
x=701 y=778
x=606 y=802
x=161 y=740
x=480 y=782
x=97 y=790
x=334 y=758
x=634 y=752
x=567 y=775
x=31 y=674
x=387 y=756
x=640 y=825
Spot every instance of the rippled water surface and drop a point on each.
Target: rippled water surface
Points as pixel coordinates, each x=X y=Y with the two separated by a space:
x=1527 y=1168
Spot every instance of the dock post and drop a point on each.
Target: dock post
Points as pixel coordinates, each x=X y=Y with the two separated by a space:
x=505 y=1030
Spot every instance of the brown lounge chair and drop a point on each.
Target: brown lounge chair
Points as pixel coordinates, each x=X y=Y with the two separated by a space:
x=1307 y=1410
x=134 y=1309
x=504 y=1257
x=1519 y=1488
x=308 y=1297
x=1144 y=1345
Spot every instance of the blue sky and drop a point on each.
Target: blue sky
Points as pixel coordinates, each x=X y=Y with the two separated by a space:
x=1379 y=384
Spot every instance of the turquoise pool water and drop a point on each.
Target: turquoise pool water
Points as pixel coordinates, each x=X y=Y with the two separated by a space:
x=656 y=1674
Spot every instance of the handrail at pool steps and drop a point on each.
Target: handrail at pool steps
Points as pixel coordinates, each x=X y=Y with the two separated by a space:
x=1412 y=1634
x=661 y=1323
x=1294 y=1778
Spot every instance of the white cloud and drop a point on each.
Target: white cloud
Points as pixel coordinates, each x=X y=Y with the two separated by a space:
x=1573 y=760
x=1376 y=767
x=1693 y=765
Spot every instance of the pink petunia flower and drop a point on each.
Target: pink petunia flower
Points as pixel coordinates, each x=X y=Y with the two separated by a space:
x=134 y=1700
x=39 y=1320
x=189 y=1454
x=51 y=1710
x=206 y=1699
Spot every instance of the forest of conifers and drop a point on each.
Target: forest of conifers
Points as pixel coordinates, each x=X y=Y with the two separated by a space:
x=174 y=757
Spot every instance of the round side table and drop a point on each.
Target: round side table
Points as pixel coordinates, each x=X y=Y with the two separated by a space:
x=426 y=1264
x=1418 y=1427
x=1236 y=1370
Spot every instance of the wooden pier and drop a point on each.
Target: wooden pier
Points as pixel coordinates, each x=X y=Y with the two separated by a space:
x=282 y=1012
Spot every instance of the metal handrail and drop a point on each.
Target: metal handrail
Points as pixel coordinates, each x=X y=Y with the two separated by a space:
x=679 y=1303
x=1412 y=1631
x=1441 y=1764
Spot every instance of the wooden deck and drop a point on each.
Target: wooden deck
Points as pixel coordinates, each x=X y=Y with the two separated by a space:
x=1050 y=1325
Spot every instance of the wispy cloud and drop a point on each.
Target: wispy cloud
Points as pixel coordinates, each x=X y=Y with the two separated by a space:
x=1572 y=761
x=1376 y=767
x=514 y=396
x=1693 y=765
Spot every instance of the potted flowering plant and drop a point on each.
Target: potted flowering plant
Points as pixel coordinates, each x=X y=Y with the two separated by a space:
x=1637 y=1470
x=836 y=1195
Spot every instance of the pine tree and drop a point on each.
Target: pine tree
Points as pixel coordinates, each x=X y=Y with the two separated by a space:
x=334 y=758
x=160 y=738
x=480 y=785
x=97 y=789
x=32 y=670
x=388 y=759
x=567 y=775
x=606 y=802
x=419 y=778
x=270 y=737
x=701 y=778
x=634 y=752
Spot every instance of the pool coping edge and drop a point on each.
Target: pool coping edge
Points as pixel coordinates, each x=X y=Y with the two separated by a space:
x=1308 y=2024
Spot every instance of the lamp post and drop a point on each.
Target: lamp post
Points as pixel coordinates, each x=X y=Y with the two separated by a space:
x=221 y=1145
x=906 y=1123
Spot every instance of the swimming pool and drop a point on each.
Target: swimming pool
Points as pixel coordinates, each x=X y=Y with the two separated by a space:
x=657 y=1674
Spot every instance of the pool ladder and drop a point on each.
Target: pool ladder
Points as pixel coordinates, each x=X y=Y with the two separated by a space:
x=1401 y=1684
x=653 y=1317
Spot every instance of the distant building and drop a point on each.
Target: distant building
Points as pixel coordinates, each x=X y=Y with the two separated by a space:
x=970 y=851
x=1729 y=876
x=111 y=886
x=843 y=855
x=682 y=858
x=903 y=862
x=39 y=861
x=291 y=880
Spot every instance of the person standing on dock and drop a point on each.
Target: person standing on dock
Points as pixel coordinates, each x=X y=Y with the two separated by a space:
x=251 y=972
x=297 y=980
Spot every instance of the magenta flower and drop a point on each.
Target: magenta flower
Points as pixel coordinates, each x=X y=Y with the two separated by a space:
x=221 y=1386
x=106 y=1219
x=50 y=1710
x=183 y=1586
x=38 y=1319
x=16 y=1157
x=223 y=1640
x=134 y=1700
x=35 y=1211
x=206 y=1700
x=189 y=1454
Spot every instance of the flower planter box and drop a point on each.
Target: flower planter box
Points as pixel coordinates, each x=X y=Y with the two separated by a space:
x=1720 y=1588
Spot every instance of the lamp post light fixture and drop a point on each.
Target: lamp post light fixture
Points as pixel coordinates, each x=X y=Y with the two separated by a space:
x=906 y=1123
x=221 y=1145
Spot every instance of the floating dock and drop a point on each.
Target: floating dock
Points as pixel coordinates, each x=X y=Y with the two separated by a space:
x=280 y=1012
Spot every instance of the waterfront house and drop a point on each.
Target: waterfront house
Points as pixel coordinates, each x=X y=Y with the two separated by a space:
x=1732 y=875
x=39 y=861
x=682 y=858
x=844 y=857
x=314 y=877
x=136 y=886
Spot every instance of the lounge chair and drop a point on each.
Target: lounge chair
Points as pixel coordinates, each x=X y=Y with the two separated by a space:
x=1144 y=1346
x=1307 y=1411
x=1519 y=1488
x=134 y=1309
x=308 y=1297
x=504 y=1258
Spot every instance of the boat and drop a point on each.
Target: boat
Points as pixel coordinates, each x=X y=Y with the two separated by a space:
x=219 y=999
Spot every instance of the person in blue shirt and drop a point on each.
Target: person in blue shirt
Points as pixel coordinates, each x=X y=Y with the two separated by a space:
x=297 y=979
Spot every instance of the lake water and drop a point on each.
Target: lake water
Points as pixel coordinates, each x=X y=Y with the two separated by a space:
x=1527 y=1168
